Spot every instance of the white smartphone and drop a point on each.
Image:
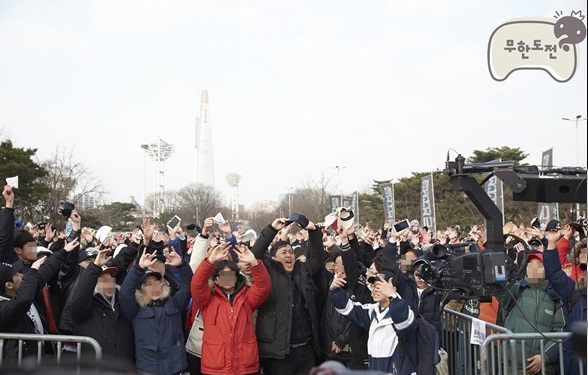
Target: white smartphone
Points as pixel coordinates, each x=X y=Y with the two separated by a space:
x=174 y=222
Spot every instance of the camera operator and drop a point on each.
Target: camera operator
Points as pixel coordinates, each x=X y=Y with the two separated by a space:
x=531 y=305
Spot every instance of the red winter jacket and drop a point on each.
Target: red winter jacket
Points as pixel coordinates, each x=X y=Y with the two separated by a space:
x=563 y=248
x=229 y=345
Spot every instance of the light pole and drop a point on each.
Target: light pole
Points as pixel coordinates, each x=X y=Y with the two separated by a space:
x=289 y=200
x=233 y=181
x=159 y=152
x=576 y=120
x=338 y=168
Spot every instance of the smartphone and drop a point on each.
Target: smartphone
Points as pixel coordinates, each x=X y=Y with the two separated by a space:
x=174 y=222
x=401 y=225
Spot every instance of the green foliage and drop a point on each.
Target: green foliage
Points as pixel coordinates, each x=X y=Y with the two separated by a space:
x=371 y=210
x=503 y=153
x=452 y=207
x=15 y=161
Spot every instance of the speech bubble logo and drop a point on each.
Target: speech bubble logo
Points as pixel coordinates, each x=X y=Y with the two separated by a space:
x=536 y=44
x=570 y=26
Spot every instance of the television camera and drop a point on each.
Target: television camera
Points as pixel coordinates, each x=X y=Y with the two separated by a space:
x=474 y=274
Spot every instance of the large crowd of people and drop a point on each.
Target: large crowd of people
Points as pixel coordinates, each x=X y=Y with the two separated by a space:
x=298 y=298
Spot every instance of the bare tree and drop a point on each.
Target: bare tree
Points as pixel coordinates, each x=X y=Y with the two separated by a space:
x=68 y=179
x=199 y=201
x=261 y=214
x=312 y=199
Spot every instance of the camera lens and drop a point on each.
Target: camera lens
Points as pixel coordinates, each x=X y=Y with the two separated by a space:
x=372 y=279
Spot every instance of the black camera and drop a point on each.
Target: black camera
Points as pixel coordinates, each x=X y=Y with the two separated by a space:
x=301 y=220
x=372 y=279
x=475 y=273
x=65 y=208
x=41 y=225
x=193 y=226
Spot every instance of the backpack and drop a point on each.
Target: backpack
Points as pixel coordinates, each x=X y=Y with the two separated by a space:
x=428 y=344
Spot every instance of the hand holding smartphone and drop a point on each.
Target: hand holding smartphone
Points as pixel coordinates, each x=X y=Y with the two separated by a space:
x=401 y=225
x=174 y=222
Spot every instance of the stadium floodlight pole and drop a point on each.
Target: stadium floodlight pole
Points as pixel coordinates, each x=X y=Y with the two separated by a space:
x=159 y=151
x=576 y=120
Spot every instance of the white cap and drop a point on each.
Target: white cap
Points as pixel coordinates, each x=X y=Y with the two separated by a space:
x=103 y=232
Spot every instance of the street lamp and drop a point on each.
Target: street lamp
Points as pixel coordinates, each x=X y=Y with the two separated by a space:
x=338 y=168
x=576 y=120
x=289 y=200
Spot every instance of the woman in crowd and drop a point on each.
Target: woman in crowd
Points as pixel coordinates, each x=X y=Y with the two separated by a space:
x=227 y=303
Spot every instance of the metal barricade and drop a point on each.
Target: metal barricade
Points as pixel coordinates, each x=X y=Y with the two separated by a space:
x=59 y=340
x=464 y=357
x=510 y=364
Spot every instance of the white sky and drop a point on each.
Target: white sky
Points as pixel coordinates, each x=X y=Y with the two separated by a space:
x=296 y=87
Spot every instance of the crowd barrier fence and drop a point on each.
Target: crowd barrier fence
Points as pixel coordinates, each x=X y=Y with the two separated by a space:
x=58 y=340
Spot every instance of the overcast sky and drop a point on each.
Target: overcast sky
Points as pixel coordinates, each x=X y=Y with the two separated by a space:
x=296 y=87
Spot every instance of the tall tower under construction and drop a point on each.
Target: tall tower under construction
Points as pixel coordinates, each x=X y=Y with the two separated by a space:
x=204 y=156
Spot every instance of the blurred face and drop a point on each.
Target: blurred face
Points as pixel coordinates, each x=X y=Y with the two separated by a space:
x=285 y=255
x=406 y=261
x=29 y=252
x=106 y=285
x=151 y=287
x=535 y=271
x=226 y=280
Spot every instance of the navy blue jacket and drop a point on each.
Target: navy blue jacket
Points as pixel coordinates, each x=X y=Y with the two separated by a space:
x=565 y=286
x=159 y=334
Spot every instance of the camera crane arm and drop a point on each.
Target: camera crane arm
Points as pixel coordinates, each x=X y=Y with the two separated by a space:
x=563 y=185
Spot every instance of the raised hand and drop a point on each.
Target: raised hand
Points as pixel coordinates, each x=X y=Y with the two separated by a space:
x=102 y=257
x=37 y=264
x=50 y=233
x=208 y=223
x=338 y=281
x=246 y=256
x=225 y=228
x=279 y=223
x=386 y=288
x=148 y=230
x=219 y=252
x=173 y=259
x=8 y=195
x=76 y=220
x=147 y=259
x=72 y=245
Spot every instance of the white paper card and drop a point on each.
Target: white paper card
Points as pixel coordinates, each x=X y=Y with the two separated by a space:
x=12 y=182
x=219 y=219
x=478 y=332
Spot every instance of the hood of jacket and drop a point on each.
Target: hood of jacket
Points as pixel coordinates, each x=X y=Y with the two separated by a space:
x=143 y=300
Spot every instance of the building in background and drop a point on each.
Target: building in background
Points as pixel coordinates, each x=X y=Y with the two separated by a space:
x=87 y=201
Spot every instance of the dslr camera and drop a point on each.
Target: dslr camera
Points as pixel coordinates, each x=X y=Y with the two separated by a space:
x=65 y=208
